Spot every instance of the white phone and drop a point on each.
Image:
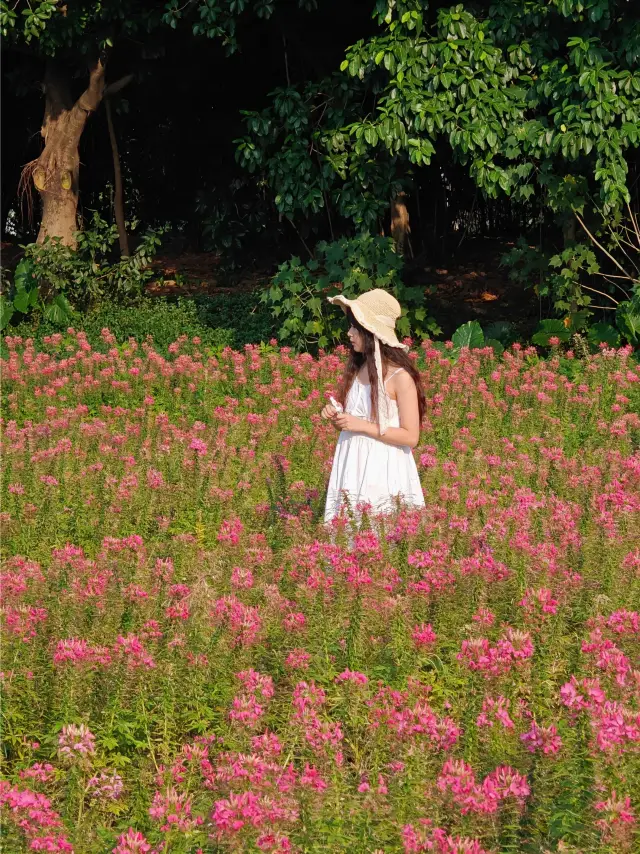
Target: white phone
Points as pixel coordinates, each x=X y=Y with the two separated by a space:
x=337 y=406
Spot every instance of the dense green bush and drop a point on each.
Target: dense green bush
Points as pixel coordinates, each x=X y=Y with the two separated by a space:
x=224 y=320
x=53 y=279
x=349 y=266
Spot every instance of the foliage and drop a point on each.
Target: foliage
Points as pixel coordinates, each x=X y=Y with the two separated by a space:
x=227 y=320
x=228 y=218
x=85 y=26
x=28 y=293
x=55 y=279
x=606 y=264
x=332 y=179
x=500 y=330
x=242 y=312
x=194 y=662
x=551 y=329
x=628 y=319
x=471 y=336
x=298 y=293
x=536 y=100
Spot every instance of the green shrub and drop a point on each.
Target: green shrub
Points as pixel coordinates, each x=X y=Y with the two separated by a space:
x=53 y=279
x=219 y=321
x=350 y=266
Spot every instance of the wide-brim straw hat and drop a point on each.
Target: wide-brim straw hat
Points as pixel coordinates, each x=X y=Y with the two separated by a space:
x=376 y=311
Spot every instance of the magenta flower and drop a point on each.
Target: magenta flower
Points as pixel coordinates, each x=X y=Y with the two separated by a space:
x=76 y=742
x=132 y=842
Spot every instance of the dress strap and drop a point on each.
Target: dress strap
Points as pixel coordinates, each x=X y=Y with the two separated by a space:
x=393 y=375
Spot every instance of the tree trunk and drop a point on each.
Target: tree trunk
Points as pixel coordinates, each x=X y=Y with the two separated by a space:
x=400 y=226
x=56 y=172
x=118 y=200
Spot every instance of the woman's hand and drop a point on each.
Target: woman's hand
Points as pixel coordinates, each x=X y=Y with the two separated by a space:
x=344 y=421
x=328 y=412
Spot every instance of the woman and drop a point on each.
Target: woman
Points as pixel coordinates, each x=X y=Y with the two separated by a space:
x=379 y=411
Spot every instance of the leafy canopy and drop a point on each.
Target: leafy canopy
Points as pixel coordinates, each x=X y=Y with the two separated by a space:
x=532 y=96
x=51 y=26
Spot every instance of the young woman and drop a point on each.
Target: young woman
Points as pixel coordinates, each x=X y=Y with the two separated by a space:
x=379 y=411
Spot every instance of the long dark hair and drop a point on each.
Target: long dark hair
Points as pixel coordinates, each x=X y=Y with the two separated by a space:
x=390 y=356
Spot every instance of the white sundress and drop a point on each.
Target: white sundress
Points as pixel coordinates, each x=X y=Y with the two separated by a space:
x=368 y=471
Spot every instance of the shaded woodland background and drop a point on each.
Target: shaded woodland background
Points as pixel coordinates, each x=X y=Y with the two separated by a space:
x=178 y=123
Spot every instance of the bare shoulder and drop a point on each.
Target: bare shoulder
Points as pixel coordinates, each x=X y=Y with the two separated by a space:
x=402 y=380
x=401 y=384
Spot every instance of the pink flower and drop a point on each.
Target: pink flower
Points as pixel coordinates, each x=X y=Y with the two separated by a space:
x=539 y=602
x=619 y=810
x=230 y=531
x=484 y=616
x=131 y=842
x=427 y=839
x=199 y=446
x=106 y=784
x=298 y=659
x=31 y=812
x=294 y=621
x=495 y=709
x=243 y=621
x=542 y=738
x=241 y=577
x=311 y=777
x=173 y=809
x=352 y=676
x=423 y=635
x=43 y=773
x=76 y=741
x=133 y=652
x=155 y=479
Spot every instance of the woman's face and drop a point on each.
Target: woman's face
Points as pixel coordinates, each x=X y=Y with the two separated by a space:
x=357 y=339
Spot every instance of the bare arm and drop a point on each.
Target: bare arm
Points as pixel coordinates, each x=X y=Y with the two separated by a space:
x=408 y=433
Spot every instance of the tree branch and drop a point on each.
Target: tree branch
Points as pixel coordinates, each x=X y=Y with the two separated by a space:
x=634 y=222
x=112 y=88
x=90 y=99
x=602 y=293
x=611 y=282
x=600 y=246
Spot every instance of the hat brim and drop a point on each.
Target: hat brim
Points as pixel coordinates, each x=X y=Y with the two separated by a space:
x=387 y=336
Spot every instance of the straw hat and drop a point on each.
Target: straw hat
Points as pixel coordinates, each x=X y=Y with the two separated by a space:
x=377 y=311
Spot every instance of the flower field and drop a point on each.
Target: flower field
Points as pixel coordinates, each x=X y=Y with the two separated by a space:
x=193 y=663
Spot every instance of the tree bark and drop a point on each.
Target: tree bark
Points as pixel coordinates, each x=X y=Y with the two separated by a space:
x=400 y=225
x=56 y=172
x=118 y=197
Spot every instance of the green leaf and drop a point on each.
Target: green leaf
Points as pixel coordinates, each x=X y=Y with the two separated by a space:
x=550 y=328
x=498 y=348
x=21 y=301
x=603 y=333
x=23 y=276
x=59 y=310
x=628 y=319
x=468 y=335
x=371 y=135
x=6 y=312
x=501 y=330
